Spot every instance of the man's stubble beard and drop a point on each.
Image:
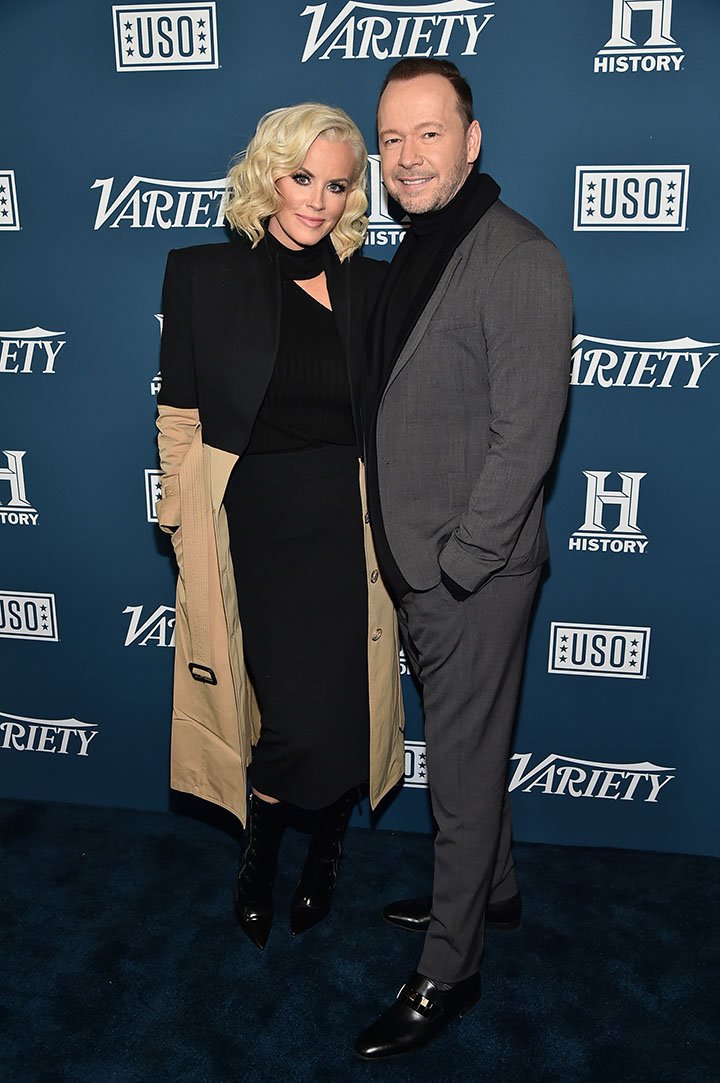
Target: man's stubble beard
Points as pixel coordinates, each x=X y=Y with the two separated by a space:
x=442 y=196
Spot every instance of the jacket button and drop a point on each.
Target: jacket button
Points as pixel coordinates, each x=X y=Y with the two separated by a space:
x=374 y=575
x=377 y=634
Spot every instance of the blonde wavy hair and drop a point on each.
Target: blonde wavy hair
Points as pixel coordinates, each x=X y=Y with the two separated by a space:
x=279 y=146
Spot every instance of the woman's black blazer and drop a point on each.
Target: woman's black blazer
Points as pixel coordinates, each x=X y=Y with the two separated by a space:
x=221 y=323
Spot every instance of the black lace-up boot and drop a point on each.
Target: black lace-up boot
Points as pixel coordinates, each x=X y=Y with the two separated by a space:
x=313 y=895
x=253 y=897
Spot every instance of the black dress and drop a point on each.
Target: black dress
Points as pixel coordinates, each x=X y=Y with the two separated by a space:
x=296 y=540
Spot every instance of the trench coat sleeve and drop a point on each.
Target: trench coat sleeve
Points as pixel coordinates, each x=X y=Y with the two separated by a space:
x=178 y=417
x=527 y=321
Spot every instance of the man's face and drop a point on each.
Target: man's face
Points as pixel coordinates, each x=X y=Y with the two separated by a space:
x=425 y=152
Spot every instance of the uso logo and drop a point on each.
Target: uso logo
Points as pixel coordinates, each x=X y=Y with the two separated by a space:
x=632 y=198
x=155 y=37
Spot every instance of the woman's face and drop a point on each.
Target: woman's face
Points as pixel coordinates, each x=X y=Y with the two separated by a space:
x=314 y=195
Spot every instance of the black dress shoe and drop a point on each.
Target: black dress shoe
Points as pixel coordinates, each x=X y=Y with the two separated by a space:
x=422 y=1010
x=414 y=914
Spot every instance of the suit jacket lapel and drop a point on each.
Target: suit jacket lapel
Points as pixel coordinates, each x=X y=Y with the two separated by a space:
x=416 y=335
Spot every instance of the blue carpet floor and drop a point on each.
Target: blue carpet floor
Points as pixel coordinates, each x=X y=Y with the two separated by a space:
x=121 y=962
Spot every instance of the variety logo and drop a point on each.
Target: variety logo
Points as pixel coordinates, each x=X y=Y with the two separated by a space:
x=17 y=511
x=659 y=52
x=564 y=775
x=65 y=736
x=161 y=36
x=158 y=629
x=153 y=492
x=599 y=650
x=389 y=31
x=415 y=764
x=156 y=382
x=20 y=350
x=27 y=616
x=383 y=229
x=639 y=198
x=9 y=214
x=144 y=203
x=609 y=362
x=626 y=536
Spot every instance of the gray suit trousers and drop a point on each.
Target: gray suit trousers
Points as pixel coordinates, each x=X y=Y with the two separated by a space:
x=468 y=657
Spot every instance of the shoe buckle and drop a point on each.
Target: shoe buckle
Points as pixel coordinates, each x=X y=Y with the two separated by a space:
x=419 y=1003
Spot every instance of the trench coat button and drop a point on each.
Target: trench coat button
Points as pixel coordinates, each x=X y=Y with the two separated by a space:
x=377 y=634
x=374 y=574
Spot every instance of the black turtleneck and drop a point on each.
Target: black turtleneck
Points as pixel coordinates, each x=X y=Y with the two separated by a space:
x=414 y=274
x=297 y=265
x=307 y=402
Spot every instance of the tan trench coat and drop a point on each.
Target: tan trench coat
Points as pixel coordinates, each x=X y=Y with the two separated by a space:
x=216 y=720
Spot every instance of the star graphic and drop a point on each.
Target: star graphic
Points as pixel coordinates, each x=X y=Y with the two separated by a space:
x=633 y=652
x=45 y=624
x=4 y=214
x=633 y=642
x=202 y=35
x=128 y=37
x=669 y=212
x=633 y=662
x=3 y=188
x=43 y=609
x=591 y=199
x=589 y=212
x=591 y=186
x=128 y=26
x=3 y=200
x=672 y=186
x=421 y=774
x=202 y=49
x=201 y=22
x=130 y=52
x=563 y=657
x=671 y=199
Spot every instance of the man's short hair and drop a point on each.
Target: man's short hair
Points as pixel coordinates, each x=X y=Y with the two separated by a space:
x=414 y=66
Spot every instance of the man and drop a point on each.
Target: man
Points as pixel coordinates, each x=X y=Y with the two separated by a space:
x=471 y=346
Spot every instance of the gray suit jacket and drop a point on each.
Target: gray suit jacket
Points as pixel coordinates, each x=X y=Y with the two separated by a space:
x=468 y=422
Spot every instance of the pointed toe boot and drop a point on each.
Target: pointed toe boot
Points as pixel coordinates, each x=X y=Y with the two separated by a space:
x=314 y=893
x=254 y=892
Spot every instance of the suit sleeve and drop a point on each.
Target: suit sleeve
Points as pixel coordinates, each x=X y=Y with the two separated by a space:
x=527 y=321
x=178 y=415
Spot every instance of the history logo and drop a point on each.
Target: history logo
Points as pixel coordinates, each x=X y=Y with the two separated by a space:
x=625 y=51
x=603 y=501
x=17 y=510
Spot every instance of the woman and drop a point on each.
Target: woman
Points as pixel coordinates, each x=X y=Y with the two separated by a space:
x=286 y=644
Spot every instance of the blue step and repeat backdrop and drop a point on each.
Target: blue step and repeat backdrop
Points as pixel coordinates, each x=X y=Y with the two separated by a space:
x=600 y=124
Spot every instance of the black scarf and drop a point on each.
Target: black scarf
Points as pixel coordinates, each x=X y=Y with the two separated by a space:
x=297 y=265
